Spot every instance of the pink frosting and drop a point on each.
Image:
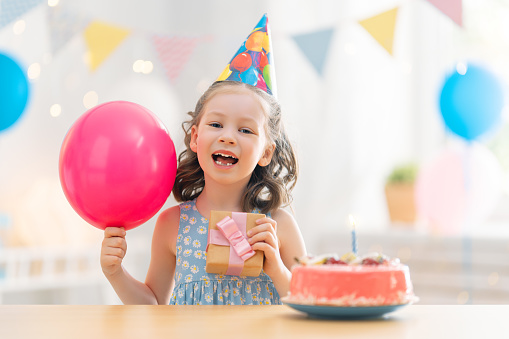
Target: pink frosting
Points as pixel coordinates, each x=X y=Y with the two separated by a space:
x=345 y=285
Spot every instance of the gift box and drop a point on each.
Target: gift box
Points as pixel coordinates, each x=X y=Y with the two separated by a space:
x=228 y=251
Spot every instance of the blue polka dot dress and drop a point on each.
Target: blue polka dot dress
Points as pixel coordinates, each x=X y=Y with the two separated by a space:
x=194 y=286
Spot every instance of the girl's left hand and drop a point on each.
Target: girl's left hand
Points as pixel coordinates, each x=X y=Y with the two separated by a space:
x=263 y=237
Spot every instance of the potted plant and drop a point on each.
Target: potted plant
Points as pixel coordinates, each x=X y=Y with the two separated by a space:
x=399 y=192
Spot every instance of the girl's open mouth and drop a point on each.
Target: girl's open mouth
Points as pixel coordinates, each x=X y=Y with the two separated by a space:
x=224 y=159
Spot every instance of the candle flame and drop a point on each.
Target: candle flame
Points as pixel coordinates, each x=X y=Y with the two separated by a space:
x=352 y=220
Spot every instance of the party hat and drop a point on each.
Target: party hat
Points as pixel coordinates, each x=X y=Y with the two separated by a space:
x=253 y=63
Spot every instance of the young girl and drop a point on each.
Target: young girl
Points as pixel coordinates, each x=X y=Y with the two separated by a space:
x=237 y=158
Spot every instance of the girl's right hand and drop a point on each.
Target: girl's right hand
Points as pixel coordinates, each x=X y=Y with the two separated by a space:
x=113 y=250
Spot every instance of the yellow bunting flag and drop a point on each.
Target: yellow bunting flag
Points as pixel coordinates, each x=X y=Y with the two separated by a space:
x=381 y=27
x=102 y=39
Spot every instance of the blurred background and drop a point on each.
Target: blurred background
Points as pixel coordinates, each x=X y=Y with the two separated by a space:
x=397 y=109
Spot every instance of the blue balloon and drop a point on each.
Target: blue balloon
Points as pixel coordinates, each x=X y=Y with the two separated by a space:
x=250 y=76
x=13 y=91
x=471 y=103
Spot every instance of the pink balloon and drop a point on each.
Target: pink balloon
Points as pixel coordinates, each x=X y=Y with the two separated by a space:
x=459 y=188
x=117 y=165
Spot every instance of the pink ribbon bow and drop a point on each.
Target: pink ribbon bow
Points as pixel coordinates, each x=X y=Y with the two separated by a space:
x=232 y=232
x=236 y=239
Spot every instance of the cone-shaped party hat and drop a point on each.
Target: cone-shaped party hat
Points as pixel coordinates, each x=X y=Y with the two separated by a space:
x=253 y=63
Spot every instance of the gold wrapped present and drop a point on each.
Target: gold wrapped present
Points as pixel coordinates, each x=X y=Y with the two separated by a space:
x=227 y=250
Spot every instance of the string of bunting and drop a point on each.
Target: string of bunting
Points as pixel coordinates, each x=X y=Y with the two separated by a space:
x=314 y=45
x=175 y=51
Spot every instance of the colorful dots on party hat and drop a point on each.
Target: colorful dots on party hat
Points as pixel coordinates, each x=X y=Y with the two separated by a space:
x=253 y=63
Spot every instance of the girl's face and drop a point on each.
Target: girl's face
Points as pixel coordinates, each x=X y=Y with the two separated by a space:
x=230 y=139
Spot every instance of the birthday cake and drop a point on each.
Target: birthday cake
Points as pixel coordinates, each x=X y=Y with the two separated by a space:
x=371 y=280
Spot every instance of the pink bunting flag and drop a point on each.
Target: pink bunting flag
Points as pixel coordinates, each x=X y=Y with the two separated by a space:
x=451 y=8
x=174 y=52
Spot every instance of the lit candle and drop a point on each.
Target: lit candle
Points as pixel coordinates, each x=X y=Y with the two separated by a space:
x=354 y=235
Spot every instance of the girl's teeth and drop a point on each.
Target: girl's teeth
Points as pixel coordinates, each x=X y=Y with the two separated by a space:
x=221 y=164
x=220 y=156
x=225 y=155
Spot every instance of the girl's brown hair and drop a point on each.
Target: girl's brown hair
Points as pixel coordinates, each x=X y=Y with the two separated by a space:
x=270 y=186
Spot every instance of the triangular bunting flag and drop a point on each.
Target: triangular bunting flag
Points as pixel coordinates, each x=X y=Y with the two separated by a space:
x=10 y=10
x=174 y=52
x=102 y=39
x=451 y=8
x=63 y=26
x=381 y=27
x=315 y=46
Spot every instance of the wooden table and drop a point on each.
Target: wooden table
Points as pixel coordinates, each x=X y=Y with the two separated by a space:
x=260 y=322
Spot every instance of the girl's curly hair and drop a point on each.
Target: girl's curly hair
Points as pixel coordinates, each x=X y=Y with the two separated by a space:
x=270 y=186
